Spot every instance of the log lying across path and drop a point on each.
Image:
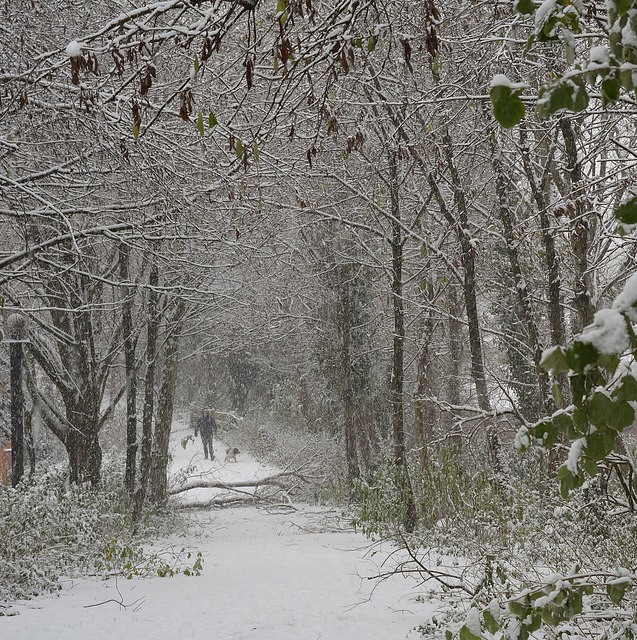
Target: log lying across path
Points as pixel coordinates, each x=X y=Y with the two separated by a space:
x=274 y=488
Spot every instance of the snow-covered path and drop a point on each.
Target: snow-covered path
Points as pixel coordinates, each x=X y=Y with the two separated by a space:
x=266 y=576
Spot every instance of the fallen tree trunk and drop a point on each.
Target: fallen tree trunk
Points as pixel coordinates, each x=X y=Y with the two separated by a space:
x=215 y=484
x=266 y=489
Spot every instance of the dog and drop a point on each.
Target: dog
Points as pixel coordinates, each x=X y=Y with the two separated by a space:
x=231 y=454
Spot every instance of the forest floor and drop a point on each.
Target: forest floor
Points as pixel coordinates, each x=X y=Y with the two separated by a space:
x=268 y=574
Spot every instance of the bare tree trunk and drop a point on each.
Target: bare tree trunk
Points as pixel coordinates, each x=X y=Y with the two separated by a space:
x=130 y=368
x=469 y=289
x=524 y=299
x=77 y=426
x=85 y=455
x=344 y=318
x=158 y=482
x=424 y=414
x=579 y=228
x=304 y=402
x=424 y=409
x=368 y=441
x=76 y=369
x=149 y=389
x=556 y=315
x=398 y=372
x=29 y=440
x=468 y=254
x=455 y=357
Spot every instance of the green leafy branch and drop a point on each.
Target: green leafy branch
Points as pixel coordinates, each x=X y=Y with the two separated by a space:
x=600 y=364
x=602 y=372
x=124 y=560
x=601 y=409
x=556 y=600
x=611 y=68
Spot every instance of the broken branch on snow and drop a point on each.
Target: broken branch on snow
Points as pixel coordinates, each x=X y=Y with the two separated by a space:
x=247 y=490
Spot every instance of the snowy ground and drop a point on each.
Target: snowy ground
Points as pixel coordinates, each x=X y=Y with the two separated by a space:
x=295 y=575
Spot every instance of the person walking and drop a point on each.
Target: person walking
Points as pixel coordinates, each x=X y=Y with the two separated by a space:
x=207 y=426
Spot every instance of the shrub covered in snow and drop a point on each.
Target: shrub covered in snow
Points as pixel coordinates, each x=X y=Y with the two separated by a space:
x=523 y=563
x=51 y=529
x=317 y=456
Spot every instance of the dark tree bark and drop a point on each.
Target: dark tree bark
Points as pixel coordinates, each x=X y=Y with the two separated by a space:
x=424 y=411
x=29 y=441
x=580 y=228
x=130 y=368
x=158 y=482
x=555 y=311
x=455 y=358
x=461 y=225
x=85 y=455
x=153 y=319
x=398 y=366
x=77 y=370
x=524 y=299
x=17 y=411
x=367 y=438
x=469 y=284
x=343 y=320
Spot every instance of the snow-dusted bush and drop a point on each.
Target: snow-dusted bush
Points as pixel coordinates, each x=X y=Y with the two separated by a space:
x=318 y=457
x=531 y=564
x=48 y=529
x=456 y=502
x=381 y=505
x=51 y=529
x=512 y=563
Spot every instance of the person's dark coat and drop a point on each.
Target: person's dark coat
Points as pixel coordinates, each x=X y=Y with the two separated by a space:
x=206 y=425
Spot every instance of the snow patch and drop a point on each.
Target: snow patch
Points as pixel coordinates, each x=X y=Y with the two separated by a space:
x=608 y=333
x=284 y=574
x=629 y=37
x=599 y=58
x=626 y=301
x=73 y=49
x=500 y=80
x=546 y=9
x=522 y=440
x=494 y=609
x=473 y=622
x=575 y=454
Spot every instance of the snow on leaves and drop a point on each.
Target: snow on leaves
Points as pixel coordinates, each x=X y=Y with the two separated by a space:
x=569 y=93
x=603 y=379
x=556 y=600
x=609 y=69
x=505 y=98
